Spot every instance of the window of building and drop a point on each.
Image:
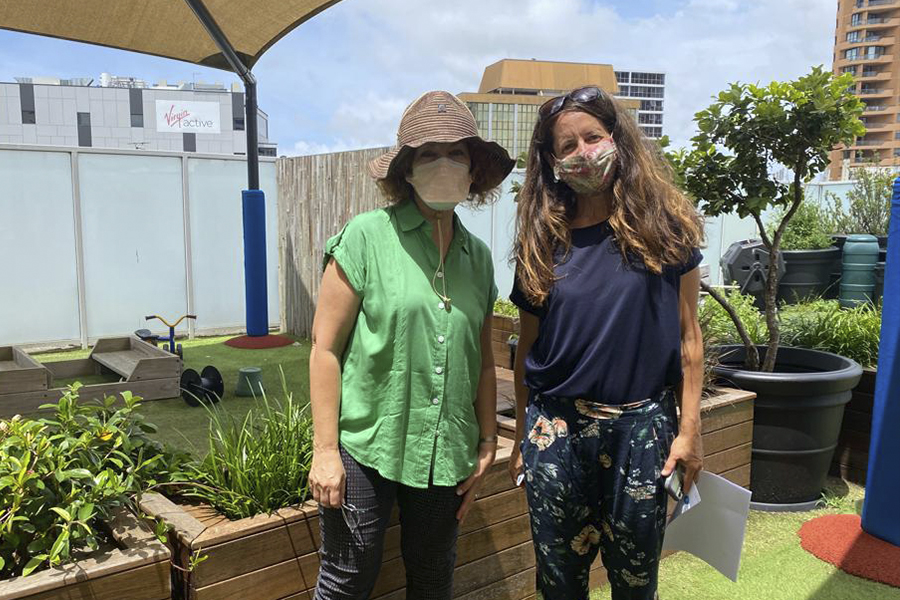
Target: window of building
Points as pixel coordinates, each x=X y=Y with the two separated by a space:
x=851 y=70
x=896 y=152
x=856 y=19
x=237 y=111
x=859 y=3
x=136 y=104
x=624 y=90
x=640 y=91
x=651 y=105
x=851 y=53
x=26 y=97
x=84 y=129
x=622 y=76
x=652 y=132
x=873 y=52
x=651 y=78
x=650 y=118
x=189 y=142
x=267 y=151
x=853 y=36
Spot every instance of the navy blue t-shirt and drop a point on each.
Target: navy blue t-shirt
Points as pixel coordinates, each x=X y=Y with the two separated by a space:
x=608 y=332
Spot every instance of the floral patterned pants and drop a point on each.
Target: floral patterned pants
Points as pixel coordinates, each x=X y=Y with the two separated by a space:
x=593 y=482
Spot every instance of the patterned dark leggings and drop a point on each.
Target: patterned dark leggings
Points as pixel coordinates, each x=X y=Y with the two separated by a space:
x=353 y=536
x=593 y=482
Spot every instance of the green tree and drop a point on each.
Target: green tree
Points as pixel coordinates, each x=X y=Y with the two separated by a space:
x=748 y=133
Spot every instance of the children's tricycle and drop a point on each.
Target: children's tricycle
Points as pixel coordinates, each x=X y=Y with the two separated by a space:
x=196 y=387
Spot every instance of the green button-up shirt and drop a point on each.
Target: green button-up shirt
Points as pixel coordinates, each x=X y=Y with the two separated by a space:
x=412 y=365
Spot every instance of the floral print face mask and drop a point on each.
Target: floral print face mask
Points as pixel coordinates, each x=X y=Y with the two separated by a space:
x=590 y=172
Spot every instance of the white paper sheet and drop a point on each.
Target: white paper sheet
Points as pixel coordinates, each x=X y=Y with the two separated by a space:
x=713 y=530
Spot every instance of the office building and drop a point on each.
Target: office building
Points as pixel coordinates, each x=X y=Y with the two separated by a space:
x=511 y=92
x=125 y=112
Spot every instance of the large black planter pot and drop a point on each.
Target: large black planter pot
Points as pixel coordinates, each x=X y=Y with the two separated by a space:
x=807 y=273
x=796 y=423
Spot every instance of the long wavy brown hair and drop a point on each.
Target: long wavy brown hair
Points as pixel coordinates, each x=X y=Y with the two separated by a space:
x=651 y=219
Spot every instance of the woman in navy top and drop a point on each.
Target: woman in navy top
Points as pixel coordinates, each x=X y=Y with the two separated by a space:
x=607 y=287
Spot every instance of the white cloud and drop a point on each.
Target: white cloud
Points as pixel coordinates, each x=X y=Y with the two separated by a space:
x=400 y=49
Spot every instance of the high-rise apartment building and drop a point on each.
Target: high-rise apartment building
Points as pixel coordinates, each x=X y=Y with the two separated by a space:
x=511 y=92
x=866 y=45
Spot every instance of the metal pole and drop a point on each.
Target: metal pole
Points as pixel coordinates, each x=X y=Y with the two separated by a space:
x=252 y=138
x=218 y=36
x=253 y=202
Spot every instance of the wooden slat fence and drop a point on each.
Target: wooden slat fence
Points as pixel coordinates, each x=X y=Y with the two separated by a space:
x=317 y=195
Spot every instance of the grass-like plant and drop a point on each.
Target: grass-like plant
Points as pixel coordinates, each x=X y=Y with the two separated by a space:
x=258 y=464
x=816 y=324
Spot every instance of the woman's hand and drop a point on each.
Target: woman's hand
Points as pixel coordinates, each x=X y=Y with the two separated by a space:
x=326 y=478
x=687 y=452
x=515 y=464
x=468 y=489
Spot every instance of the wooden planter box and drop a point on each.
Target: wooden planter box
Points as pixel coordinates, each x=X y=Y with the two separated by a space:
x=139 y=569
x=274 y=557
x=501 y=328
x=727 y=425
x=851 y=457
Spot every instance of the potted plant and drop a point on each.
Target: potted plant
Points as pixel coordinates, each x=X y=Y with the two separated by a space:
x=744 y=136
x=70 y=485
x=809 y=255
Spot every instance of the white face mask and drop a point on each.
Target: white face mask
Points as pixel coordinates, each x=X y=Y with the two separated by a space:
x=441 y=183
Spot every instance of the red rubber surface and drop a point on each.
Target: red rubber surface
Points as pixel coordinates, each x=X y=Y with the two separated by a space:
x=259 y=342
x=840 y=540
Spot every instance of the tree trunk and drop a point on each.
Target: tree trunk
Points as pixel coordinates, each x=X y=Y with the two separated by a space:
x=752 y=361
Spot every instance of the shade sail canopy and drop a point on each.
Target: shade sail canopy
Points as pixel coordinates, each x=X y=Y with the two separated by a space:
x=167 y=28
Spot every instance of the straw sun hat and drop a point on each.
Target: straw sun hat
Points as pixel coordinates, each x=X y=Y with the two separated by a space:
x=442 y=117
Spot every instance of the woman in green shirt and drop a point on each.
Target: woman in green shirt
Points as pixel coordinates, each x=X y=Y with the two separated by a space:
x=402 y=380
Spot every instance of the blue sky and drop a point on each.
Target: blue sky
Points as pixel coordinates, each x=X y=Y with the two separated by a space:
x=341 y=80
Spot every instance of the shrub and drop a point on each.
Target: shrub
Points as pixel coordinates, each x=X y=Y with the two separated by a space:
x=807 y=230
x=255 y=466
x=506 y=308
x=61 y=478
x=869 y=201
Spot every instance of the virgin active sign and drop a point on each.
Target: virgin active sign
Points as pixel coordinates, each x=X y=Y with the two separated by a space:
x=187 y=117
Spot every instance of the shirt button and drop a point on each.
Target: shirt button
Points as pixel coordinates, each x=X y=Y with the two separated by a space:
x=439 y=370
x=440 y=274
x=435 y=401
x=441 y=339
x=441 y=305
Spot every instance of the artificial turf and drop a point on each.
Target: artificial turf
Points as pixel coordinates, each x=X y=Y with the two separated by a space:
x=773 y=565
x=186 y=427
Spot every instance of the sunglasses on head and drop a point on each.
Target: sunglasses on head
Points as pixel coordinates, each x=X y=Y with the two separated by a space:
x=581 y=95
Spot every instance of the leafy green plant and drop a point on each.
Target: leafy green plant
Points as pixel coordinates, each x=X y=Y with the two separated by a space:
x=744 y=136
x=256 y=465
x=824 y=325
x=816 y=324
x=869 y=201
x=505 y=308
x=61 y=478
x=807 y=230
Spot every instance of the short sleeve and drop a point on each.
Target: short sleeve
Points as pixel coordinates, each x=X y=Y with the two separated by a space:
x=692 y=263
x=517 y=297
x=348 y=248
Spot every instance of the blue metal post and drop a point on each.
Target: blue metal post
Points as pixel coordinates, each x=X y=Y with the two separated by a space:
x=880 y=515
x=254 y=205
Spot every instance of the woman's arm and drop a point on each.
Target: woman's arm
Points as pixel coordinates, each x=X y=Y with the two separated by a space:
x=528 y=331
x=687 y=449
x=335 y=317
x=486 y=412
